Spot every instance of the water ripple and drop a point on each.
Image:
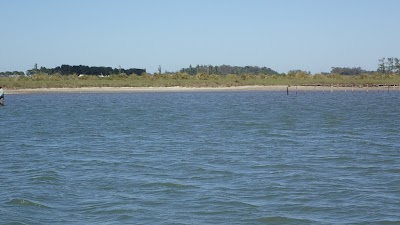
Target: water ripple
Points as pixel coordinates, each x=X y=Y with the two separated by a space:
x=200 y=158
x=25 y=202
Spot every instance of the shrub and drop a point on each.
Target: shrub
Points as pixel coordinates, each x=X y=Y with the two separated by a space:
x=184 y=76
x=334 y=76
x=231 y=76
x=202 y=76
x=39 y=76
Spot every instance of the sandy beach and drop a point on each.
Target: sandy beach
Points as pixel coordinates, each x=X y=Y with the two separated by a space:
x=143 y=89
x=291 y=89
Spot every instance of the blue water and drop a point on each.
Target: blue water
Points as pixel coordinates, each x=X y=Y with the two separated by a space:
x=200 y=158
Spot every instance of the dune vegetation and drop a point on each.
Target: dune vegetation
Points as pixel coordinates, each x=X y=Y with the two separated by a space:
x=66 y=76
x=197 y=80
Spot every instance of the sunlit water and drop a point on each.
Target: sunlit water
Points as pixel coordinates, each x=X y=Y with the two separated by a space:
x=200 y=158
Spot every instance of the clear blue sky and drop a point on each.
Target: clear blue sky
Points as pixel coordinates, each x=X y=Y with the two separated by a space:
x=311 y=35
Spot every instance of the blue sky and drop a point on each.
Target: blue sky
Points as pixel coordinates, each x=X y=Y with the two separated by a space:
x=312 y=35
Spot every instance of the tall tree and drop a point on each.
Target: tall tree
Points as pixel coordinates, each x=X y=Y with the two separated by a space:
x=382 y=66
x=397 y=65
x=191 y=70
x=390 y=65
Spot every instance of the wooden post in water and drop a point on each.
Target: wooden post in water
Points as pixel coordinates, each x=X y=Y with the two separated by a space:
x=331 y=88
x=352 y=88
x=388 y=88
x=296 y=89
x=367 y=88
x=287 y=90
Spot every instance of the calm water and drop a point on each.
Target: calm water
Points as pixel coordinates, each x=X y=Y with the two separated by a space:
x=200 y=158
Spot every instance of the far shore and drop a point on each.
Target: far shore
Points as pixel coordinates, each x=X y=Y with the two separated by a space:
x=296 y=88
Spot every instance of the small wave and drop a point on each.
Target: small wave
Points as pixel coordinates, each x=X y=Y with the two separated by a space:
x=16 y=223
x=44 y=179
x=393 y=170
x=388 y=222
x=234 y=204
x=283 y=220
x=215 y=212
x=24 y=202
x=214 y=172
x=125 y=217
x=114 y=211
x=168 y=185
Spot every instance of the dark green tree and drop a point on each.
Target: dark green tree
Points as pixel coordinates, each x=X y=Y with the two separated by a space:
x=397 y=65
x=382 y=66
x=347 y=70
x=390 y=65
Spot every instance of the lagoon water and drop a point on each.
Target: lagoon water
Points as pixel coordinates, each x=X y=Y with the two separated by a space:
x=200 y=158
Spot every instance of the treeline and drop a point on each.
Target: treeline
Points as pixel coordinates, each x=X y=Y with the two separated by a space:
x=11 y=73
x=86 y=70
x=389 y=66
x=386 y=66
x=227 y=69
x=349 y=71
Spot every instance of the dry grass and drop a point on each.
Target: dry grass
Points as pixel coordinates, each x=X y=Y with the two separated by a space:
x=199 y=80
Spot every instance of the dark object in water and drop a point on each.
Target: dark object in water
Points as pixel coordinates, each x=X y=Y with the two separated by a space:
x=1 y=96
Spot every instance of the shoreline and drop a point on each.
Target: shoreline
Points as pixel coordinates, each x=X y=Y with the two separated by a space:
x=297 y=88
